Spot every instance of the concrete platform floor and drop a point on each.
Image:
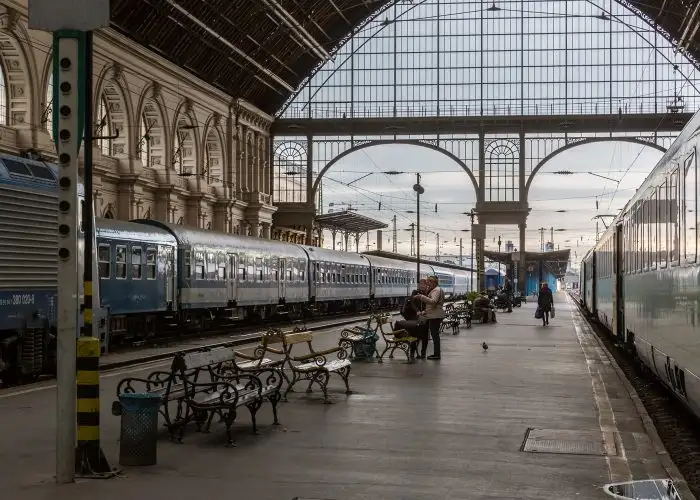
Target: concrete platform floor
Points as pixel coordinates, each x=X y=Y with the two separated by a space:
x=452 y=429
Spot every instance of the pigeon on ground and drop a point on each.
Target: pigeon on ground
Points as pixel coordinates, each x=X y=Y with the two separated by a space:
x=484 y=345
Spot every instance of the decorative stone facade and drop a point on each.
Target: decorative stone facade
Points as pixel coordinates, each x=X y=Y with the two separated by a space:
x=172 y=147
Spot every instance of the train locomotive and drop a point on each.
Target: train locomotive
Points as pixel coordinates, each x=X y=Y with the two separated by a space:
x=156 y=279
x=642 y=279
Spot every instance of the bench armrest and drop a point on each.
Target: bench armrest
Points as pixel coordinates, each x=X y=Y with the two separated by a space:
x=275 y=351
x=155 y=380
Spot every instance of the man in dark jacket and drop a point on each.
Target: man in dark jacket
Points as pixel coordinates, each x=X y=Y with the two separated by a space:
x=411 y=322
x=545 y=301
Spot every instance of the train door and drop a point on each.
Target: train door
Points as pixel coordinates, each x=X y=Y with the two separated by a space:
x=618 y=323
x=231 y=288
x=169 y=255
x=313 y=277
x=282 y=283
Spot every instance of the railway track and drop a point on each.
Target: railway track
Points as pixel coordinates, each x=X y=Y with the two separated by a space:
x=677 y=427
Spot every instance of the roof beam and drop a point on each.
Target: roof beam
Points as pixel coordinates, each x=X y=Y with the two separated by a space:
x=235 y=49
x=340 y=12
x=298 y=29
x=688 y=26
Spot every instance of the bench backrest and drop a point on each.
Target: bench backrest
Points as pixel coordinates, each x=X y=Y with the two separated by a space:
x=297 y=338
x=201 y=359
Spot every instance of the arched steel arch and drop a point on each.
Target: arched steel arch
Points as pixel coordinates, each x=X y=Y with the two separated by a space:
x=574 y=144
x=379 y=142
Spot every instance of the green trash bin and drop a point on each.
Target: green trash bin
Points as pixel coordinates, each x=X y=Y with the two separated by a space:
x=138 y=437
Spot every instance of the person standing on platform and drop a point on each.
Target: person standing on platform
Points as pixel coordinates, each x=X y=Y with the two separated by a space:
x=545 y=301
x=433 y=313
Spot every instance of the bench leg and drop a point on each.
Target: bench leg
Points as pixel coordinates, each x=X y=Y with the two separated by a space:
x=253 y=409
x=322 y=380
x=406 y=348
x=208 y=425
x=274 y=399
x=381 y=356
x=345 y=375
x=290 y=387
x=230 y=418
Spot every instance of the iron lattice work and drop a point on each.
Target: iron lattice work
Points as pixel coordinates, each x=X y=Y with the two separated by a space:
x=476 y=58
x=565 y=61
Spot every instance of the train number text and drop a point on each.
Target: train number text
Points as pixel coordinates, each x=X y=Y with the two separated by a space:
x=18 y=299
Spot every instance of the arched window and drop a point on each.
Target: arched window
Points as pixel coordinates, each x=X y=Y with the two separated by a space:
x=103 y=126
x=145 y=141
x=108 y=214
x=47 y=117
x=3 y=95
x=213 y=167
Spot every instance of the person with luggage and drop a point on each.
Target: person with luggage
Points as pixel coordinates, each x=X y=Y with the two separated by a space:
x=545 y=302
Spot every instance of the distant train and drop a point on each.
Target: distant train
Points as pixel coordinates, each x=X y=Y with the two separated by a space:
x=642 y=279
x=156 y=278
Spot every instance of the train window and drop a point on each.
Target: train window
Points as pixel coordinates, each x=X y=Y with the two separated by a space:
x=151 y=263
x=662 y=226
x=136 y=262
x=690 y=208
x=645 y=234
x=241 y=271
x=673 y=237
x=259 y=269
x=651 y=227
x=211 y=266
x=302 y=273
x=199 y=270
x=188 y=264
x=121 y=262
x=222 y=267
x=104 y=261
x=250 y=272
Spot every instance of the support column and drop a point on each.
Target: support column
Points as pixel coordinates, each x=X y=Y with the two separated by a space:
x=310 y=202
x=266 y=230
x=357 y=242
x=481 y=192
x=522 y=268
x=346 y=240
x=480 y=281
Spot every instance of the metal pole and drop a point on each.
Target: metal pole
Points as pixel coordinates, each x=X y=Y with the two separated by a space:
x=472 y=261
x=418 y=227
x=91 y=460
x=69 y=81
x=461 y=261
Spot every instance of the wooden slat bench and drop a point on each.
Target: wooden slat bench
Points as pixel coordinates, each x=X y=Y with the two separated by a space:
x=396 y=339
x=313 y=366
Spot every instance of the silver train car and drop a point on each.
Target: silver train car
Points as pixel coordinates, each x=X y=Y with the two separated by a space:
x=642 y=279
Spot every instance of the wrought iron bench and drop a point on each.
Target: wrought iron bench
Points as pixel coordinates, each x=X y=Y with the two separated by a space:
x=396 y=339
x=201 y=386
x=313 y=366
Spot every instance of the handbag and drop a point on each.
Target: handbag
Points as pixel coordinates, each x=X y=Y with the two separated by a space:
x=552 y=313
x=539 y=314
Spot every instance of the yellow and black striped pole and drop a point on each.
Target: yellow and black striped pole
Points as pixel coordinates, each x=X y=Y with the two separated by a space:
x=90 y=461
x=89 y=457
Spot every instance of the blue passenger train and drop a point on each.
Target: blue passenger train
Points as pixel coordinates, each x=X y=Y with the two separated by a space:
x=155 y=279
x=642 y=279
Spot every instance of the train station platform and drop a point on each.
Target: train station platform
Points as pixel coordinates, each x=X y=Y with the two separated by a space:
x=542 y=413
